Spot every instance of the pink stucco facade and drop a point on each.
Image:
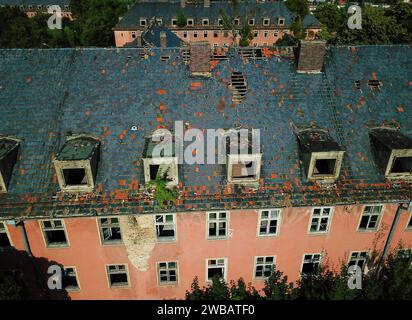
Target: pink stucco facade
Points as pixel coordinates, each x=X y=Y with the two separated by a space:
x=191 y=248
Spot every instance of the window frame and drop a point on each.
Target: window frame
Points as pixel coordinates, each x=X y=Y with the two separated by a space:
x=106 y=266
x=192 y=22
x=281 y=19
x=279 y=221
x=409 y=223
x=45 y=239
x=236 y=22
x=100 y=227
x=6 y=231
x=173 y=22
x=329 y=223
x=143 y=20
x=195 y=34
x=168 y=283
x=365 y=266
x=166 y=239
x=77 y=279
x=225 y=267
x=303 y=261
x=251 y=20
x=227 y=220
x=378 y=222
x=266 y=24
x=264 y=264
x=159 y=21
x=205 y=20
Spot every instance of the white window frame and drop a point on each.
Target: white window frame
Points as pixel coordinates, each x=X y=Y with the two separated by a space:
x=205 y=34
x=224 y=268
x=192 y=22
x=6 y=231
x=312 y=254
x=281 y=19
x=409 y=223
x=322 y=215
x=260 y=219
x=106 y=266
x=358 y=258
x=173 y=22
x=166 y=239
x=256 y=264
x=233 y=159
x=43 y=231
x=378 y=222
x=195 y=34
x=205 y=20
x=141 y=22
x=159 y=21
x=220 y=22
x=276 y=34
x=100 y=229
x=266 y=24
x=253 y=22
x=217 y=221
x=236 y=22
x=185 y=34
x=77 y=279
x=265 y=34
x=167 y=283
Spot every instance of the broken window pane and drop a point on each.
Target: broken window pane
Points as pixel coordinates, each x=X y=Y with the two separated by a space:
x=217 y=225
x=4 y=238
x=74 y=177
x=324 y=167
x=54 y=233
x=402 y=165
x=165 y=227
x=110 y=230
x=269 y=226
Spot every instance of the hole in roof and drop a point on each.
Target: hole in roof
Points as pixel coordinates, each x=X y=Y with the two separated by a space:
x=238 y=86
x=324 y=167
x=357 y=84
x=164 y=58
x=375 y=85
x=402 y=165
x=254 y=53
x=185 y=55
x=219 y=54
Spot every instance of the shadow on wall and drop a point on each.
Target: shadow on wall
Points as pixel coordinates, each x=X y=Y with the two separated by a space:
x=25 y=278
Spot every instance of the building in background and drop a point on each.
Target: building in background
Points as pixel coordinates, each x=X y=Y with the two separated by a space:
x=212 y=22
x=33 y=7
x=332 y=174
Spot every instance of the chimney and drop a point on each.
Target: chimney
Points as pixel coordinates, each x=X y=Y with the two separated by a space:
x=163 y=42
x=200 y=59
x=139 y=39
x=182 y=3
x=310 y=56
x=206 y=3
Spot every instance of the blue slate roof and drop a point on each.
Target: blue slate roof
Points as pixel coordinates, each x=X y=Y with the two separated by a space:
x=152 y=37
x=34 y=2
x=169 y=10
x=48 y=94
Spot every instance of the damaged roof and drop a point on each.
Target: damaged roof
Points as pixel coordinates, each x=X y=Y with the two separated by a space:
x=123 y=95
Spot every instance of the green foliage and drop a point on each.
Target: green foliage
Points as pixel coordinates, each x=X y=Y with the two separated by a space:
x=299 y=7
x=287 y=40
x=277 y=287
x=12 y=288
x=163 y=194
x=181 y=18
x=297 y=28
x=331 y=16
x=245 y=36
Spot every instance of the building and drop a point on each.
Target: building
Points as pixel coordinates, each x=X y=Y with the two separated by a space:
x=33 y=7
x=333 y=171
x=211 y=22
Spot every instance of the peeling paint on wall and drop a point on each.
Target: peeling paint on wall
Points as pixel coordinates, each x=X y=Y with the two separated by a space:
x=139 y=239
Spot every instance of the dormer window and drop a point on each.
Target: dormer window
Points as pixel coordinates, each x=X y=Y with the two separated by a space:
x=320 y=155
x=251 y=22
x=243 y=157
x=76 y=163
x=236 y=22
x=220 y=22
x=266 y=21
x=281 y=21
x=205 y=22
x=393 y=152
x=375 y=85
x=8 y=155
x=39 y=7
x=159 y=159
x=190 y=22
x=143 y=22
x=159 y=21
x=174 y=22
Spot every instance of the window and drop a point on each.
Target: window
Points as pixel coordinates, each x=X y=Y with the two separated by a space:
x=281 y=21
x=265 y=34
x=174 y=22
x=251 y=22
x=167 y=272
x=69 y=279
x=165 y=227
x=217 y=224
x=159 y=21
x=357 y=84
x=190 y=22
x=184 y=34
x=225 y=34
x=216 y=267
x=256 y=34
x=239 y=90
x=370 y=218
x=401 y=165
x=215 y=34
x=264 y=267
x=117 y=276
x=194 y=34
x=9 y=150
x=110 y=230
x=266 y=21
x=39 y=7
x=269 y=221
x=142 y=22
x=320 y=220
x=404 y=253
x=54 y=233
x=205 y=34
x=358 y=259
x=276 y=34
x=4 y=237
x=133 y=34
x=375 y=85
x=205 y=22
x=220 y=22
x=311 y=262
x=409 y=225
x=236 y=22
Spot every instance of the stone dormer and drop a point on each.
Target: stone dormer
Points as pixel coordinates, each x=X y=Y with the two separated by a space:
x=9 y=148
x=392 y=152
x=310 y=56
x=320 y=156
x=76 y=163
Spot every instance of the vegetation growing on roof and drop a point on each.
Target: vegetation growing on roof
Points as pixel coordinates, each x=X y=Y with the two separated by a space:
x=163 y=194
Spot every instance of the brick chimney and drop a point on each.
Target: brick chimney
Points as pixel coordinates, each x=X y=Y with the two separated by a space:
x=182 y=3
x=139 y=43
x=163 y=39
x=206 y=3
x=200 y=59
x=310 y=56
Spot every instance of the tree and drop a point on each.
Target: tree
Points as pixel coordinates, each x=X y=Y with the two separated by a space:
x=299 y=7
x=277 y=287
x=12 y=287
x=181 y=18
x=331 y=16
x=287 y=40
